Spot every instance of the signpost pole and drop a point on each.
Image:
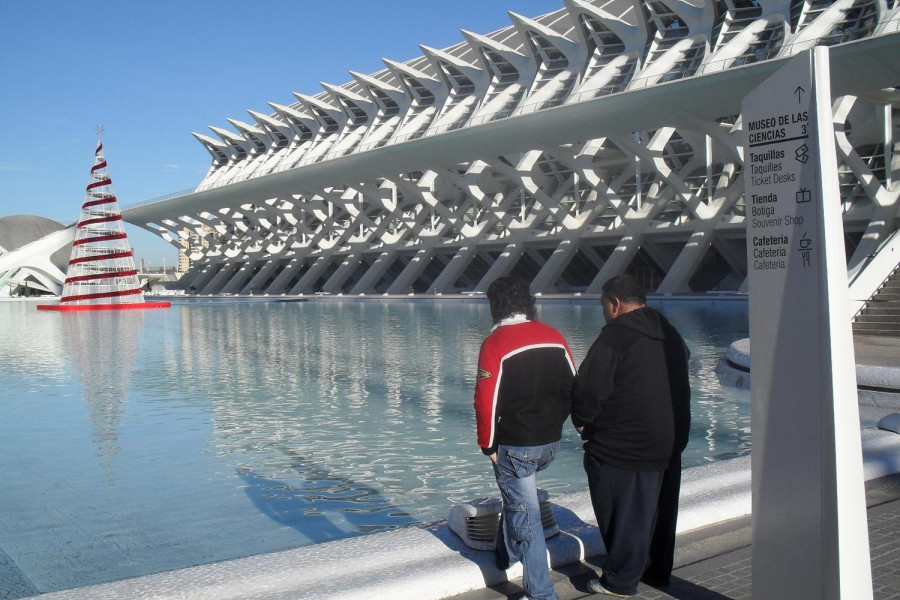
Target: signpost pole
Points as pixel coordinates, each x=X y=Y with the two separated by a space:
x=810 y=538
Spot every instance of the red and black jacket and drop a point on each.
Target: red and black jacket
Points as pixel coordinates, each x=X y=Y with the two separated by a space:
x=522 y=395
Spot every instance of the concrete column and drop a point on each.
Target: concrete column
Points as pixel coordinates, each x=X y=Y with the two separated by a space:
x=221 y=278
x=503 y=265
x=204 y=276
x=685 y=265
x=309 y=279
x=243 y=273
x=734 y=254
x=255 y=284
x=878 y=230
x=453 y=270
x=279 y=285
x=617 y=262
x=553 y=269
x=412 y=271
x=344 y=271
x=367 y=283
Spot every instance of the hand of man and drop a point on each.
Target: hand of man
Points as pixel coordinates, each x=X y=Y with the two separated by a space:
x=493 y=457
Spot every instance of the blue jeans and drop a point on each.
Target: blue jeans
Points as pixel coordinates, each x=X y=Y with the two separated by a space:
x=521 y=534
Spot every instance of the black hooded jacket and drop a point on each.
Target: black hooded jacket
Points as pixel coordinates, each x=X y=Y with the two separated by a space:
x=624 y=392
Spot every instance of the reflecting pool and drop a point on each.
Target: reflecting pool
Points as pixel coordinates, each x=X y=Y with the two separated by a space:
x=135 y=442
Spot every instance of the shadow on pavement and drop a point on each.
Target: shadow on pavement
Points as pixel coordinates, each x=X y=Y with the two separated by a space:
x=681 y=589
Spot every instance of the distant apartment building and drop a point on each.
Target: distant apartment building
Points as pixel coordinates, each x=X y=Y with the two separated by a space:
x=191 y=242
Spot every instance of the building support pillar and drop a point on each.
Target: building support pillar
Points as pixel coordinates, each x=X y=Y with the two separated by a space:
x=241 y=276
x=367 y=283
x=411 y=272
x=344 y=271
x=454 y=269
x=503 y=265
x=685 y=265
x=202 y=276
x=221 y=278
x=279 y=285
x=256 y=282
x=309 y=279
x=617 y=262
x=546 y=279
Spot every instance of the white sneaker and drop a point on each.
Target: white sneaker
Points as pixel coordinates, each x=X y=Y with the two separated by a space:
x=596 y=587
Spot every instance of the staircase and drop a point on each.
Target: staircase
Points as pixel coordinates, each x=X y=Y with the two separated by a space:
x=881 y=316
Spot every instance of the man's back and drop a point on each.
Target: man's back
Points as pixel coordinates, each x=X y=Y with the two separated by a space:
x=522 y=397
x=622 y=394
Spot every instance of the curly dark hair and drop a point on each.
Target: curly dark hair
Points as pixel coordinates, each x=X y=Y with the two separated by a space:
x=509 y=296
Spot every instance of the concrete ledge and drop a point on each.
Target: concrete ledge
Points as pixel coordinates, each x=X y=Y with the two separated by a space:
x=876 y=376
x=416 y=563
x=739 y=353
x=877 y=385
x=430 y=563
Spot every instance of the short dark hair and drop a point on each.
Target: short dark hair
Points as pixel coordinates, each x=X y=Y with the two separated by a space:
x=509 y=296
x=625 y=288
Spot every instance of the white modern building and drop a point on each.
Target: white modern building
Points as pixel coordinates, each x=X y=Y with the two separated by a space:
x=566 y=148
x=34 y=252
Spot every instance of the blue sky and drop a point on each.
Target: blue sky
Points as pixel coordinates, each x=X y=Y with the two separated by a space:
x=153 y=72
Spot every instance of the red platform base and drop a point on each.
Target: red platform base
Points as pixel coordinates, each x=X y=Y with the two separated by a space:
x=126 y=306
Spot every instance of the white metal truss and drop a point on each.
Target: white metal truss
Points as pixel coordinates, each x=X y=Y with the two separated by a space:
x=568 y=148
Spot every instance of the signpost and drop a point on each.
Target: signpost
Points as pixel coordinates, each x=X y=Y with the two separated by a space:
x=810 y=538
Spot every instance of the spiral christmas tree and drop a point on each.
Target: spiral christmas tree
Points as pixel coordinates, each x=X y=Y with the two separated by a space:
x=101 y=273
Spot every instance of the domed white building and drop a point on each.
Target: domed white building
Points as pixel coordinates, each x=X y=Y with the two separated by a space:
x=34 y=254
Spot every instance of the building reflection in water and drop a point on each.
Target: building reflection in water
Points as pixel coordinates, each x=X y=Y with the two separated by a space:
x=102 y=346
x=379 y=394
x=149 y=441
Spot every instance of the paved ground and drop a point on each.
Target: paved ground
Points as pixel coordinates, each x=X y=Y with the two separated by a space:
x=880 y=351
x=716 y=564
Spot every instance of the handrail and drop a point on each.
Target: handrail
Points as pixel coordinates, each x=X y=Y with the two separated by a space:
x=890 y=26
x=879 y=268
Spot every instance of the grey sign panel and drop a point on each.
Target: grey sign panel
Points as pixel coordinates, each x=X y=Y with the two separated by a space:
x=809 y=521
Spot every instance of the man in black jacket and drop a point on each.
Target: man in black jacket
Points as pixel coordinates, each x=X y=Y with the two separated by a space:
x=662 y=544
x=623 y=407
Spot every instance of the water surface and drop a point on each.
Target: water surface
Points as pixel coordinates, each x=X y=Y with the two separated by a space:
x=134 y=442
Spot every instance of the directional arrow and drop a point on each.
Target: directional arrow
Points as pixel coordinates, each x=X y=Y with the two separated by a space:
x=799 y=91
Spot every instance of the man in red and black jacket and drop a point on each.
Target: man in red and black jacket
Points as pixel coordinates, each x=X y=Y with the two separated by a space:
x=522 y=399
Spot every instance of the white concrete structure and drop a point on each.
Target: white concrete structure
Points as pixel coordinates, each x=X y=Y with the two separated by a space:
x=565 y=149
x=34 y=252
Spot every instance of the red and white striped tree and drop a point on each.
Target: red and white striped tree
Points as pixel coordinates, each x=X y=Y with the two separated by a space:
x=101 y=272
x=101 y=268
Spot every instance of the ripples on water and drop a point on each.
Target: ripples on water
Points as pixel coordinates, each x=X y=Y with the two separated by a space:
x=147 y=441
